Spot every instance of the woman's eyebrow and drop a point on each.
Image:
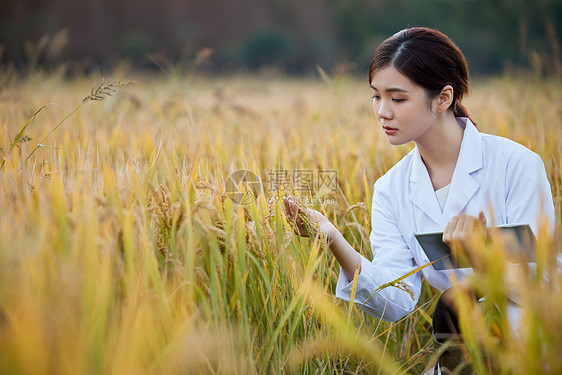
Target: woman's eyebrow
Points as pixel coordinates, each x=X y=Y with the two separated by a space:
x=390 y=89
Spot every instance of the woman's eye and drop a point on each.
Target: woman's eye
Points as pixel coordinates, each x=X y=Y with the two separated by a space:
x=398 y=100
x=376 y=97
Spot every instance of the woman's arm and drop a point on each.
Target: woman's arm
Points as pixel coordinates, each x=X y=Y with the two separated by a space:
x=528 y=194
x=347 y=257
x=392 y=259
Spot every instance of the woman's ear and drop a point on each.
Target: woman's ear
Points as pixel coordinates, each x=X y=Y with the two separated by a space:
x=445 y=99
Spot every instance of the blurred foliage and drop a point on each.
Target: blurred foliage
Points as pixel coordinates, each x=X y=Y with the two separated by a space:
x=135 y=44
x=265 y=47
x=291 y=35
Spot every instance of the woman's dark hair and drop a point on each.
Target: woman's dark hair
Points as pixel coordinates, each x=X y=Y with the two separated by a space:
x=430 y=59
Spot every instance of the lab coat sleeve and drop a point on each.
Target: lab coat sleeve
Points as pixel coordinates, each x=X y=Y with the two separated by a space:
x=391 y=259
x=528 y=193
x=528 y=201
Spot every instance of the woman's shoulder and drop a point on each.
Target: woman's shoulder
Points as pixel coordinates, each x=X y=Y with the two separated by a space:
x=495 y=147
x=499 y=148
x=398 y=172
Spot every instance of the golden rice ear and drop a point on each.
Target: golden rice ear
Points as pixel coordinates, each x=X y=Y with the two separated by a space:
x=106 y=89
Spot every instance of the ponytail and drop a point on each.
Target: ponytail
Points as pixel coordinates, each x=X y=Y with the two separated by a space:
x=460 y=110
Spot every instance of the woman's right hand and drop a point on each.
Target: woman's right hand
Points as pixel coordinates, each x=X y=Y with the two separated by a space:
x=348 y=258
x=319 y=223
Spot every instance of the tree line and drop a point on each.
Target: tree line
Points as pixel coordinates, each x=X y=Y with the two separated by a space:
x=290 y=35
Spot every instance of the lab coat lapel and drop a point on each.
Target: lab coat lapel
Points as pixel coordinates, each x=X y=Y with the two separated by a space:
x=463 y=185
x=422 y=193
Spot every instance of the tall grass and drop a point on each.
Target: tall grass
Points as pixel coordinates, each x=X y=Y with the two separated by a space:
x=121 y=253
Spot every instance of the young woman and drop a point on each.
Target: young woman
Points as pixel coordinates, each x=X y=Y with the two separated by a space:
x=454 y=179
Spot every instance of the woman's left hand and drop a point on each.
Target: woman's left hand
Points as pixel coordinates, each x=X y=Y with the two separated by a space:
x=458 y=235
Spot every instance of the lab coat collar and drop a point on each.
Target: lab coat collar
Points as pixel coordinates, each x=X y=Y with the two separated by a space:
x=463 y=186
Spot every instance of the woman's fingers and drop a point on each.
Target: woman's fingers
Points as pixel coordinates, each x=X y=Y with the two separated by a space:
x=291 y=208
x=467 y=226
x=482 y=219
x=458 y=235
x=460 y=227
x=286 y=205
x=448 y=234
x=292 y=211
x=310 y=225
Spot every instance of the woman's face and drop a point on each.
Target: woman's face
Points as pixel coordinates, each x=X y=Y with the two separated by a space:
x=402 y=107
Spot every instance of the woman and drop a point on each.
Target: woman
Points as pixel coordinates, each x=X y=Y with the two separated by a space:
x=454 y=179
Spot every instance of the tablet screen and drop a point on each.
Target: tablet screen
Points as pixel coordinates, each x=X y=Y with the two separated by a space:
x=520 y=238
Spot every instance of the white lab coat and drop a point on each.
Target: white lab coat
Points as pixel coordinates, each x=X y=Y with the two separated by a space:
x=493 y=174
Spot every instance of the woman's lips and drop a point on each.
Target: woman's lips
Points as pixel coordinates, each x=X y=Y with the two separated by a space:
x=389 y=131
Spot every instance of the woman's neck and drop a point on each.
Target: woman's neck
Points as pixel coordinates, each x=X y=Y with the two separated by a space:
x=440 y=150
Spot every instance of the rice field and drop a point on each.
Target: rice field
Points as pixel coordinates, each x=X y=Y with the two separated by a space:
x=123 y=249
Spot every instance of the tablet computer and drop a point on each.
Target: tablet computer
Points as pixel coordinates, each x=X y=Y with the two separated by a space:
x=521 y=246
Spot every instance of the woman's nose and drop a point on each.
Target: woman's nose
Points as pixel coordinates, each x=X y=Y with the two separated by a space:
x=382 y=110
